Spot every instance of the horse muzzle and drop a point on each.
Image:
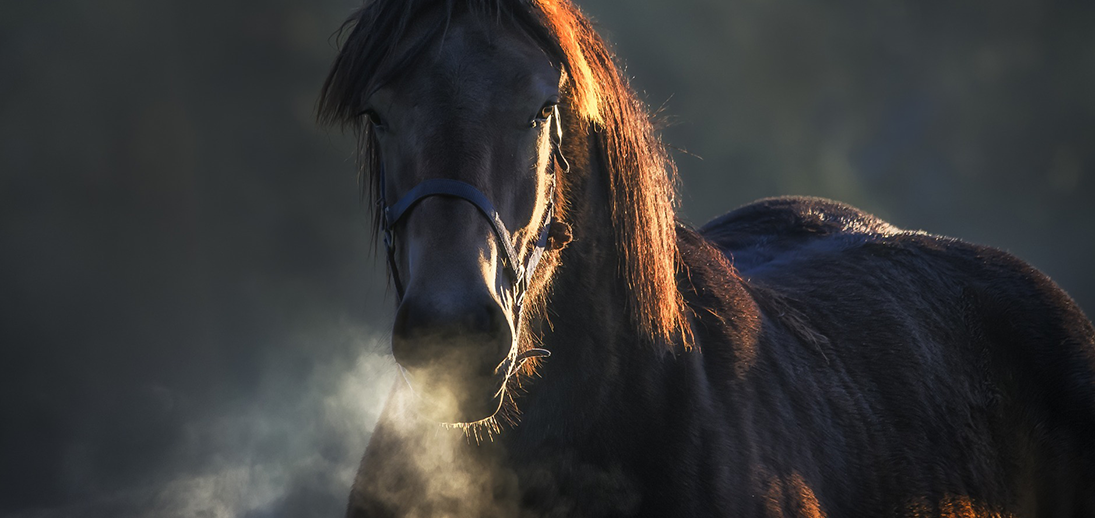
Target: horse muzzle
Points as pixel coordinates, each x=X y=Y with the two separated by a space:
x=451 y=357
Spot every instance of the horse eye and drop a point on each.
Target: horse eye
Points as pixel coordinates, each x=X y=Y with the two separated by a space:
x=375 y=118
x=546 y=111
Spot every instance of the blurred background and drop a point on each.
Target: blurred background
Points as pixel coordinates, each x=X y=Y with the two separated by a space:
x=192 y=322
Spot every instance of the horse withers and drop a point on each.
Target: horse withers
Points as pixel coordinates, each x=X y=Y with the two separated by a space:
x=568 y=349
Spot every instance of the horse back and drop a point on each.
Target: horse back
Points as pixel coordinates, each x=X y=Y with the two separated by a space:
x=775 y=229
x=933 y=368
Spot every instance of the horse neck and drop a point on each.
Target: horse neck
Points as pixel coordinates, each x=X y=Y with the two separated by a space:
x=600 y=362
x=590 y=334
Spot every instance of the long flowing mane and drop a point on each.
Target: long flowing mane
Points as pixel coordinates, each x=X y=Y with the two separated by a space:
x=642 y=176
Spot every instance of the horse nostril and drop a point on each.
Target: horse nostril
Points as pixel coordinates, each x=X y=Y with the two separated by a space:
x=425 y=332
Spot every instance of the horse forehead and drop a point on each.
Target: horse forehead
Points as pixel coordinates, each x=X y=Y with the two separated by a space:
x=481 y=62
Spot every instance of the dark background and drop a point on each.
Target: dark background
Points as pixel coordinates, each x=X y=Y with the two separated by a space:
x=191 y=318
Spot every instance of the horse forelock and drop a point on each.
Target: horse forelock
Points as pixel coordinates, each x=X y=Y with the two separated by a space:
x=642 y=176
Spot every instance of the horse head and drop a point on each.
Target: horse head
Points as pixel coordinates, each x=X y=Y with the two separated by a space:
x=461 y=109
x=465 y=139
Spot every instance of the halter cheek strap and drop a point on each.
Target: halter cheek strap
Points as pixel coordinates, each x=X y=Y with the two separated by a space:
x=520 y=275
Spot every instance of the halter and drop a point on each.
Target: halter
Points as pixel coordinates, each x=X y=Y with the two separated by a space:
x=520 y=275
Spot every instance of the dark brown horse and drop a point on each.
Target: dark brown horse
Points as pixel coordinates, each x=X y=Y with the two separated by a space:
x=569 y=349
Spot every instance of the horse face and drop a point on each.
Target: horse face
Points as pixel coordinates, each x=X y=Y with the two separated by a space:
x=473 y=109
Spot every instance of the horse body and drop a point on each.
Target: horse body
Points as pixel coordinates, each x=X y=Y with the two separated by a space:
x=795 y=357
x=841 y=367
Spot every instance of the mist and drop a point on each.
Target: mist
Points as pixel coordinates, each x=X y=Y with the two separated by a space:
x=193 y=319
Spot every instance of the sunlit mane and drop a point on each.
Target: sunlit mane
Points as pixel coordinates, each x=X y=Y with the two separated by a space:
x=641 y=175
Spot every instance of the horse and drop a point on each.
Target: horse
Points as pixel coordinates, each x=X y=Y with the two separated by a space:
x=567 y=347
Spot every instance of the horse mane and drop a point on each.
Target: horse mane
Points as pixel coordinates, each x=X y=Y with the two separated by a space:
x=642 y=176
